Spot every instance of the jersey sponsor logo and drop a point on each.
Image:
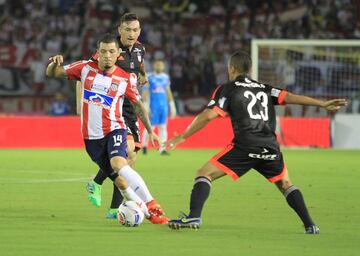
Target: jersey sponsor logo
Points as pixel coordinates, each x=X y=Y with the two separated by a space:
x=97 y=99
x=137 y=50
x=222 y=102
x=212 y=102
x=158 y=90
x=249 y=83
x=269 y=157
x=99 y=88
x=90 y=78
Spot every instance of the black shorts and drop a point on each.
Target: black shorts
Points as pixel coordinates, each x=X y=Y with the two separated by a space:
x=102 y=150
x=133 y=133
x=235 y=162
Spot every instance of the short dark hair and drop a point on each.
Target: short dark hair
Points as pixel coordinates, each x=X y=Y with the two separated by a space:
x=129 y=16
x=107 y=39
x=241 y=61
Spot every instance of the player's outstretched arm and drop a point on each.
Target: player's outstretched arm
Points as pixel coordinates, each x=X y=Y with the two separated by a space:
x=199 y=122
x=330 y=105
x=55 y=68
x=141 y=113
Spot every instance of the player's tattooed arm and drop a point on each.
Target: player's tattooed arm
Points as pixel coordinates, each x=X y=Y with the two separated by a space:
x=141 y=113
x=55 y=68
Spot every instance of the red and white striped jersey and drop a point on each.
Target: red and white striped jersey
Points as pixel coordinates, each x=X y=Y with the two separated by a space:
x=102 y=97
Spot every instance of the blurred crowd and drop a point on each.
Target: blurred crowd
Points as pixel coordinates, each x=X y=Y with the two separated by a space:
x=194 y=37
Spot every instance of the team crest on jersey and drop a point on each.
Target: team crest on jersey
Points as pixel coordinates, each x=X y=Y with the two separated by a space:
x=114 y=86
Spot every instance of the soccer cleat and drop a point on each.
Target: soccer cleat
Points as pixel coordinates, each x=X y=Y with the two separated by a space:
x=164 y=153
x=158 y=219
x=94 y=190
x=313 y=229
x=185 y=222
x=144 y=150
x=112 y=214
x=155 y=208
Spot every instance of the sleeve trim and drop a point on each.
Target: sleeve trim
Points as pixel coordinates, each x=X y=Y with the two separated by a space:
x=282 y=97
x=220 y=111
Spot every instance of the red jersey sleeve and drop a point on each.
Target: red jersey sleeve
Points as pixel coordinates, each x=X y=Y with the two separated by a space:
x=74 y=69
x=131 y=91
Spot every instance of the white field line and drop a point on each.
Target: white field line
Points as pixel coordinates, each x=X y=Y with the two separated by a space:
x=70 y=173
x=41 y=181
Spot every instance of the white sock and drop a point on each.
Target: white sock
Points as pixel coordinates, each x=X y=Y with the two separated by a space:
x=129 y=194
x=145 y=139
x=162 y=135
x=136 y=183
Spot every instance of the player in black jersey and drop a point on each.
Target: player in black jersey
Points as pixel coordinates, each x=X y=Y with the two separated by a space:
x=250 y=105
x=131 y=60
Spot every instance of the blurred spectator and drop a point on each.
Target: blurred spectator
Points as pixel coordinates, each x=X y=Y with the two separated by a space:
x=60 y=105
x=37 y=69
x=193 y=36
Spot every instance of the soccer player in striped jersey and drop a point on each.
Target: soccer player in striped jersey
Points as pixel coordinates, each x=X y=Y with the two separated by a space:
x=157 y=97
x=131 y=59
x=104 y=86
x=251 y=107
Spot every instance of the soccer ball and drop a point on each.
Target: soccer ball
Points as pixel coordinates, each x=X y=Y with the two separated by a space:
x=130 y=214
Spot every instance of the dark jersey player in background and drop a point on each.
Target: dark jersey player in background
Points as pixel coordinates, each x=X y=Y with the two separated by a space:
x=131 y=60
x=250 y=106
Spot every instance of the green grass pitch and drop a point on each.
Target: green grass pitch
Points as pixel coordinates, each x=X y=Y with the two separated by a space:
x=44 y=208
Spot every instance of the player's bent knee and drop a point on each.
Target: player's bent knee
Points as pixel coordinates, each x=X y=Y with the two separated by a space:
x=117 y=163
x=283 y=184
x=210 y=171
x=132 y=156
x=121 y=183
x=130 y=146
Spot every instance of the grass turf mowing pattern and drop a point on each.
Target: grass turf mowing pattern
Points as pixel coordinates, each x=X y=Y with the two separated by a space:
x=44 y=208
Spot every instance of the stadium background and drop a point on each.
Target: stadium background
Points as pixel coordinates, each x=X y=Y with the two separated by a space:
x=194 y=37
x=43 y=204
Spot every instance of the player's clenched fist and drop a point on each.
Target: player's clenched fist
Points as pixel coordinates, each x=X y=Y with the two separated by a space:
x=57 y=59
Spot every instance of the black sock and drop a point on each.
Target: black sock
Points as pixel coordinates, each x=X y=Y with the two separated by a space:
x=296 y=201
x=100 y=177
x=199 y=194
x=116 y=198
